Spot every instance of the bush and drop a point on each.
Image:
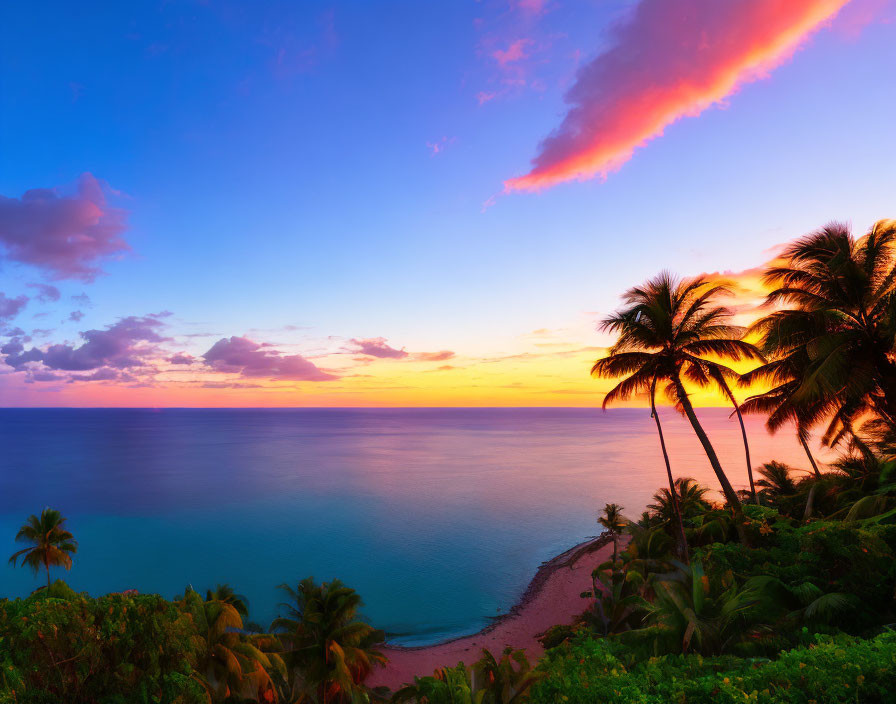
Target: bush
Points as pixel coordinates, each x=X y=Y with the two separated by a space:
x=831 y=670
x=59 y=646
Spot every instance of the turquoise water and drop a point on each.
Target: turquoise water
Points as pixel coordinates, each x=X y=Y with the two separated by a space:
x=438 y=517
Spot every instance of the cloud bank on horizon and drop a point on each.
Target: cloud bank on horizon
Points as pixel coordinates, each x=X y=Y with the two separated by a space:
x=669 y=60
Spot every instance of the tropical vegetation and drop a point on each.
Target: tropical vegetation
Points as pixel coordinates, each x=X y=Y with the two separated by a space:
x=782 y=592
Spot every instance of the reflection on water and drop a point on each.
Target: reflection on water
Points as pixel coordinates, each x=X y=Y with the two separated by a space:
x=439 y=517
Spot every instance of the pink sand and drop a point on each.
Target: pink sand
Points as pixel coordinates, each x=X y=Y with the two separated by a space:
x=556 y=601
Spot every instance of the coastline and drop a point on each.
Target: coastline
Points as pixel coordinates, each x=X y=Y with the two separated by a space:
x=551 y=598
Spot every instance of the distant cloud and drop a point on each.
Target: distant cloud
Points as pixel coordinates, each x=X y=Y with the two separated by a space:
x=64 y=236
x=440 y=145
x=181 y=358
x=82 y=299
x=46 y=293
x=516 y=51
x=11 y=307
x=75 y=316
x=130 y=343
x=434 y=356
x=377 y=347
x=670 y=60
x=240 y=355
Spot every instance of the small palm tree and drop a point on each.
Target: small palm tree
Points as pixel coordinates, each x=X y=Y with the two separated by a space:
x=613 y=521
x=51 y=544
x=225 y=593
x=691 y=500
x=329 y=651
x=691 y=613
x=667 y=331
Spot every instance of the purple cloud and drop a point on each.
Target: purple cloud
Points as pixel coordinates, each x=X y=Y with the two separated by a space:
x=45 y=292
x=130 y=343
x=65 y=236
x=377 y=347
x=11 y=307
x=240 y=355
x=75 y=316
x=181 y=358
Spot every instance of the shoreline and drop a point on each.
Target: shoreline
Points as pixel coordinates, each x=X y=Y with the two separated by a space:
x=556 y=587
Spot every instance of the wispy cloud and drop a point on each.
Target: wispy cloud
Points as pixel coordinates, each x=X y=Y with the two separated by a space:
x=670 y=60
x=377 y=347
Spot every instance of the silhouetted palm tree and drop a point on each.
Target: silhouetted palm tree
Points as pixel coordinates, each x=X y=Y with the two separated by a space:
x=832 y=353
x=329 y=652
x=226 y=594
x=52 y=545
x=612 y=520
x=667 y=329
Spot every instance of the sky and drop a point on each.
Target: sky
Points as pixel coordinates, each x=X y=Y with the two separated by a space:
x=406 y=203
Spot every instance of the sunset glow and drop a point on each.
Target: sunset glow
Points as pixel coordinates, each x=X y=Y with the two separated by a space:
x=298 y=215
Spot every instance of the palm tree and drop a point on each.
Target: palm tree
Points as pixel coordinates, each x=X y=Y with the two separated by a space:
x=667 y=329
x=832 y=352
x=329 y=652
x=612 y=520
x=52 y=545
x=226 y=594
x=230 y=663
x=691 y=499
x=692 y=613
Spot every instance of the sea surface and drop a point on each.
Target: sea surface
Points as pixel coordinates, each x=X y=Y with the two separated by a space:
x=438 y=517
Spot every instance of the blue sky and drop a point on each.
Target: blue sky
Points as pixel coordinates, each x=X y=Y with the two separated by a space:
x=278 y=168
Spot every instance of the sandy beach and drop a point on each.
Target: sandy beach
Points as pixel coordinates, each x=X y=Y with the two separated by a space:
x=552 y=598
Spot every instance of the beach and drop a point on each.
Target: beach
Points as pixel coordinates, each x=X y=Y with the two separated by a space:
x=552 y=598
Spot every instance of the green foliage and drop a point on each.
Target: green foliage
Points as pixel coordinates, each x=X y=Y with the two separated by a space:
x=831 y=669
x=65 y=647
x=489 y=681
x=329 y=651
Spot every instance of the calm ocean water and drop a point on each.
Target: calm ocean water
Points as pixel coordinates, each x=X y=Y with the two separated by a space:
x=438 y=517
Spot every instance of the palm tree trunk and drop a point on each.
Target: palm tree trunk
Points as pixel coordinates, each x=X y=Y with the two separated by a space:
x=809 y=454
x=727 y=489
x=47 y=566
x=682 y=539
x=743 y=432
x=615 y=547
x=810 y=503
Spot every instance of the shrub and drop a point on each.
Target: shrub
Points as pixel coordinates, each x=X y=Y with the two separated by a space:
x=832 y=669
x=58 y=646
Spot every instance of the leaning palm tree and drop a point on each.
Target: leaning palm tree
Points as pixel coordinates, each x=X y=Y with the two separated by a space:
x=51 y=544
x=833 y=350
x=615 y=523
x=329 y=651
x=669 y=330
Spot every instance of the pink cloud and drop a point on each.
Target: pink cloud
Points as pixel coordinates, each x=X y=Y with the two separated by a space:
x=240 y=355
x=65 y=236
x=515 y=52
x=377 y=347
x=11 y=307
x=670 y=60
x=434 y=356
x=482 y=97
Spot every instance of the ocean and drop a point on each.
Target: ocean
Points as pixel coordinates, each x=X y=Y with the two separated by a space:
x=438 y=517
